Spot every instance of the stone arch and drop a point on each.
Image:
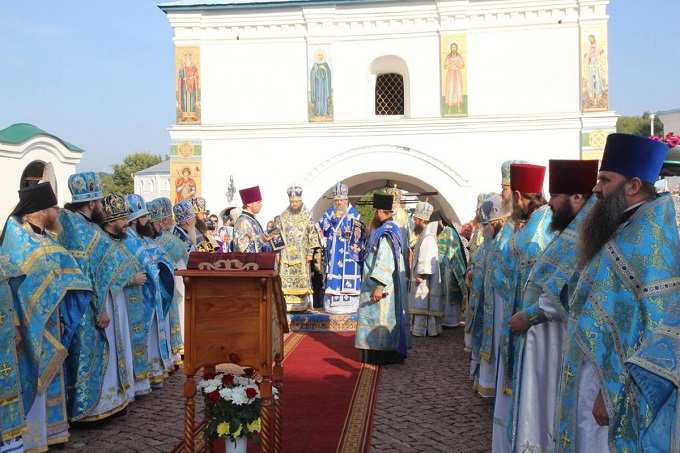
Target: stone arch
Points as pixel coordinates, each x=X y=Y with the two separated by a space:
x=366 y=168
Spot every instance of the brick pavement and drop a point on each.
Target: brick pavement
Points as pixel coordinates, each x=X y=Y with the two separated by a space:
x=425 y=405
x=428 y=405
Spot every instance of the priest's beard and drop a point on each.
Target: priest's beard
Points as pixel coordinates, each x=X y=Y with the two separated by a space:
x=144 y=230
x=97 y=216
x=518 y=214
x=201 y=226
x=157 y=232
x=295 y=210
x=376 y=222
x=52 y=224
x=119 y=231
x=561 y=218
x=191 y=232
x=418 y=228
x=600 y=223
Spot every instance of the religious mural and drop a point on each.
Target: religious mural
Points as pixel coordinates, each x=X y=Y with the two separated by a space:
x=454 y=100
x=594 y=69
x=320 y=97
x=185 y=170
x=188 y=70
x=592 y=143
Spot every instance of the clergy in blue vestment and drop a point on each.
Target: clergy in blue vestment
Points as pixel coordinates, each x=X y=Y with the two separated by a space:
x=382 y=326
x=497 y=289
x=185 y=224
x=12 y=415
x=249 y=237
x=160 y=210
x=342 y=230
x=96 y=381
x=544 y=315
x=531 y=217
x=655 y=369
x=158 y=290
x=629 y=250
x=128 y=301
x=52 y=300
x=483 y=321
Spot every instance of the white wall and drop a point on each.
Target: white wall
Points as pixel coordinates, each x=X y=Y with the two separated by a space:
x=15 y=159
x=523 y=63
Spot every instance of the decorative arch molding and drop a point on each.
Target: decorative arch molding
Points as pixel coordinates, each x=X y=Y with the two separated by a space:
x=369 y=166
x=52 y=147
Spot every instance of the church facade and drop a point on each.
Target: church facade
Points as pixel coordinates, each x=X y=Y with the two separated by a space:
x=430 y=95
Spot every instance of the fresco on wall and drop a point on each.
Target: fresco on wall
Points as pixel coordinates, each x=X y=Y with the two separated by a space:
x=454 y=100
x=320 y=94
x=188 y=70
x=594 y=69
x=185 y=170
x=592 y=143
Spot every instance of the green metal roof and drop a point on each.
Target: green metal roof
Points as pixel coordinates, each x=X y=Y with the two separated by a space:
x=21 y=132
x=244 y=4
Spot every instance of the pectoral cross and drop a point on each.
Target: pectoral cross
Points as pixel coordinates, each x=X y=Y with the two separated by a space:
x=6 y=369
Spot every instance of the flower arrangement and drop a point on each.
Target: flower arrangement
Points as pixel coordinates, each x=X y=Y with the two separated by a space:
x=232 y=405
x=670 y=139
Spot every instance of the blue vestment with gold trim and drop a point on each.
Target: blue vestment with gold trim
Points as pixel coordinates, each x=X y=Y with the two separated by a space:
x=344 y=247
x=497 y=277
x=656 y=371
x=12 y=422
x=383 y=325
x=175 y=250
x=107 y=271
x=618 y=302
x=52 y=298
x=526 y=245
x=159 y=289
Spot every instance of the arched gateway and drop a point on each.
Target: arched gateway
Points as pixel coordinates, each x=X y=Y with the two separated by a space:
x=373 y=167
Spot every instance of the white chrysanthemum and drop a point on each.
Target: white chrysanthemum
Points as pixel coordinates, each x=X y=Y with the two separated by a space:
x=275 y=392
x=226 y=393
x=209 y=388
x=238 y=396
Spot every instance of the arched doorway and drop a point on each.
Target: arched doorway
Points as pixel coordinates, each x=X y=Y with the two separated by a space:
x=368 y=168
x=36 y=172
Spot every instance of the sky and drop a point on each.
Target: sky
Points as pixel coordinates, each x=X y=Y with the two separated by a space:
x=100 y=74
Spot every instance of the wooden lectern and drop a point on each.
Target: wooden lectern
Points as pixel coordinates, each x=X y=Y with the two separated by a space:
x=235 y=312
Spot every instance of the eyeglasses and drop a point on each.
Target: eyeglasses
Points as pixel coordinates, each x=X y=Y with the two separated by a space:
x=55 y=207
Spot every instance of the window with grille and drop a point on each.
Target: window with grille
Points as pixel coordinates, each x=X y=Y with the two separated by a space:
x=389 y=94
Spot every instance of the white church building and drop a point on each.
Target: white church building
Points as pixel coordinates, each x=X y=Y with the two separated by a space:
x=30 y=155
x=430 y=95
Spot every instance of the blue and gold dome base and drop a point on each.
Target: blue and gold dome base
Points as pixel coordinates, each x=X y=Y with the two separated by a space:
x=319 y=321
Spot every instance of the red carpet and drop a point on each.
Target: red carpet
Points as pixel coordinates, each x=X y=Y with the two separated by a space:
x=328 y=396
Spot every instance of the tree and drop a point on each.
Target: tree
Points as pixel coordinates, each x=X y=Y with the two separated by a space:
x=122 y=181
x=639 y=125
x=365 y=205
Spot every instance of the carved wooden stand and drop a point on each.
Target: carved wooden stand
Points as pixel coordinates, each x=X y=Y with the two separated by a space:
x=235 y=316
